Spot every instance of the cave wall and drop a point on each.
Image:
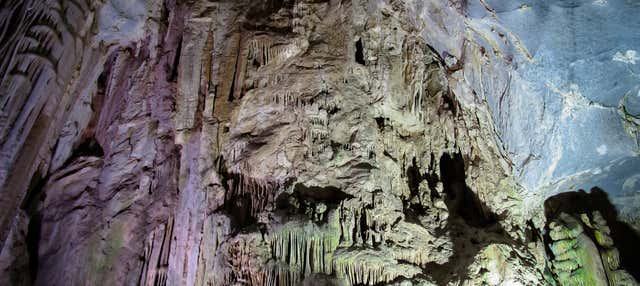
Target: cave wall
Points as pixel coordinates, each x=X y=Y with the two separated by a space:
x=568 y=115
x=273 y=142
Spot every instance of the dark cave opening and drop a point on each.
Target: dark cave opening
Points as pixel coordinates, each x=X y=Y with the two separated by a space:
x=262 y=9
x=625 y=238
x=329 y=194
x=447 y=103
x=101 y=83
x=380 y=122
x=239 y=207
x=532 y=234
x=31 y=206
x=460 y=199
x=470 y=223
x=360 y=52
x=89 y=147
x=33 y=242
x=173 y=70
x=308 y=200
x=255 y=63
x=231 y=96
x=414 y=178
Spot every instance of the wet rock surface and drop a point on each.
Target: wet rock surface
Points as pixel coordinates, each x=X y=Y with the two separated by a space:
x=278 y=142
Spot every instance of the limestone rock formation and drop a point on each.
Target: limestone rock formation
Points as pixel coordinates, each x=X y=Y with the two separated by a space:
x=284 y=142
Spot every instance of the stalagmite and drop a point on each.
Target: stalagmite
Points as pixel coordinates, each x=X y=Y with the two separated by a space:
x=609 y=254
x=576 y=255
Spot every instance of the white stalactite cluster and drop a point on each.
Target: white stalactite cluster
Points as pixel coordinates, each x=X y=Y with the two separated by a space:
x=264 y=51
x=358 y=150
x=306 y=249
x=292 y=99
x=369 y=268
x=279 y=274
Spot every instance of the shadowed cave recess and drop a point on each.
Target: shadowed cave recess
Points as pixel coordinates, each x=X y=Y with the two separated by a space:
x=319 y=142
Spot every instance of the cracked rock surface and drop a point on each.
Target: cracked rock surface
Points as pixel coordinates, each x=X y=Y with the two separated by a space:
x=287 y=142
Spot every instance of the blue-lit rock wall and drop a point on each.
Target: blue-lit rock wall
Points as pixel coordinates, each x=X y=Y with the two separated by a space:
x=570 y=112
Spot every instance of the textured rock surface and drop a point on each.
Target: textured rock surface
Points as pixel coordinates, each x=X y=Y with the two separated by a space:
x=291 y=142
x=569 y=113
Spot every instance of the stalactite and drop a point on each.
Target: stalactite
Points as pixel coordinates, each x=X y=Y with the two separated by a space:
x=306 y=249
x=318 y=134
x=415 y=77
x=261 y=192
x=277 y=274
x=240 y=257
x=259 y=50
x=319 y=120
x=368 y=267
x=398 y=148
x=278 y=78
x=303 y=248
x=236 y=151
x=576 y=258
x=156 y=256
x=263 y=51
x=26 y=57
x=287 y=100
x=418 y=102
x=351 y=225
